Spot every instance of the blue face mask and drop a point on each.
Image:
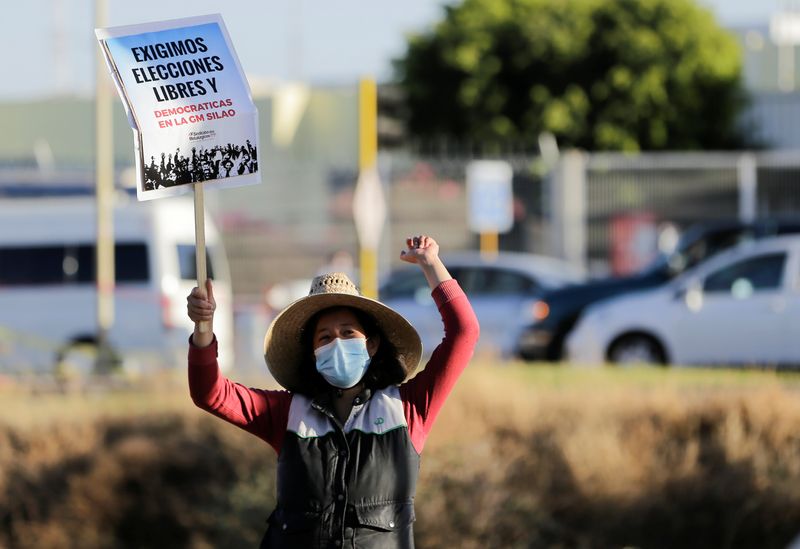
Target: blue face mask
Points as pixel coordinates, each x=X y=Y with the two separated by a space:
x=343 y=362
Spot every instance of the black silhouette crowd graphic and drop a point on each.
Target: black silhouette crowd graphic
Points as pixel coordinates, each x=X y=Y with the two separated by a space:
x=202 y=165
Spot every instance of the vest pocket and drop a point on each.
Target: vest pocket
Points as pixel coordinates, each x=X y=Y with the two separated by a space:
x=283 y=522
x=388 y=516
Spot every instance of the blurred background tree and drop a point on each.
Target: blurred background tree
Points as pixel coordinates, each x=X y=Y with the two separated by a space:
x=625 y=75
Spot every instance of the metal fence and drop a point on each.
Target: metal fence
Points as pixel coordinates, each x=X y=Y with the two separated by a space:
x=607 y=212
x=631 y=199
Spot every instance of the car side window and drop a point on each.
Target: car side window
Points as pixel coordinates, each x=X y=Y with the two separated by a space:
x=69 y=264
x=131 y=263
x=404 y=284
x=507 y=282
x=33 y=265
x=788 y=228
x=744 y=277
x=713 y=244
x=491 y=281
x=187 y=265
x=470 y=280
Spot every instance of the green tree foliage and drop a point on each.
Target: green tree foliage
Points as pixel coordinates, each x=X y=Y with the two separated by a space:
x=600 y=75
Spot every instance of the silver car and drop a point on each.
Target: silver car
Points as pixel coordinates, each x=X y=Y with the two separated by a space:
x=503 y=291
x=741 y=306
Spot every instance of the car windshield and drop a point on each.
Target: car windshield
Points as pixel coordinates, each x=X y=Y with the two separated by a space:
x=695 y=247
x=658 y=264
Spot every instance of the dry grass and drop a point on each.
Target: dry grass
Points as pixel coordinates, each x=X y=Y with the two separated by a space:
x=605 y=458
x=520 y=457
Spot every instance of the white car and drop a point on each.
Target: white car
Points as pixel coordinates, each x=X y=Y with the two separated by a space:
x=739 y=307
x=503 y=291
x=48 y=311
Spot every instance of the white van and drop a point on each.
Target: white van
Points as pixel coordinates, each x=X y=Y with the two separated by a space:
x=47 y=282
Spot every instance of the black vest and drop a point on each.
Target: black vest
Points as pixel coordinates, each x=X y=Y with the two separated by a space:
x=345 y=486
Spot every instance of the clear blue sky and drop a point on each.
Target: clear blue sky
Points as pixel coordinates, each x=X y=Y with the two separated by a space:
x=49 y=46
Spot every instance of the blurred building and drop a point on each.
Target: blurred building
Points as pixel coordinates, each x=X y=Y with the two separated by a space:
x=771 y=73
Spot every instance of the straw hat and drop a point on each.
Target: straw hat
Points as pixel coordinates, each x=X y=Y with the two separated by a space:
x=283 y=346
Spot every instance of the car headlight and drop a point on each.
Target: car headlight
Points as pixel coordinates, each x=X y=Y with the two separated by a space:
x=540 y=310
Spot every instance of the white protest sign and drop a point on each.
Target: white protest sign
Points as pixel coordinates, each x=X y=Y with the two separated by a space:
x=188 y=103
x=490 y=196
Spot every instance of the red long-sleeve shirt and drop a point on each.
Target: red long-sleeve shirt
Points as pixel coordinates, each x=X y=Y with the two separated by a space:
x=265 y=413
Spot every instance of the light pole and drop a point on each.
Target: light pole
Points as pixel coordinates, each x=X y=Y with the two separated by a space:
x=104 y=195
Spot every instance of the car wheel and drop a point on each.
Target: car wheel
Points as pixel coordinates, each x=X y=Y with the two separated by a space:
x=637 y=349
x=78 y=360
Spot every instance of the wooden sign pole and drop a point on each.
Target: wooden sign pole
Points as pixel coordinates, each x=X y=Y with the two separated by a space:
x=200 y=246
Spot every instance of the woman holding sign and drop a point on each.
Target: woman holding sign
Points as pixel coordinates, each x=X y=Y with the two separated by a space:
x=350 y=427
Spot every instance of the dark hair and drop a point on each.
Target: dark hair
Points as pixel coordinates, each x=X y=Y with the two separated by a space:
x=384 y=369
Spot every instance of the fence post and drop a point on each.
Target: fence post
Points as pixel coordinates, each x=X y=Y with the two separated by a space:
x=568 y=209
x=747 y=174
